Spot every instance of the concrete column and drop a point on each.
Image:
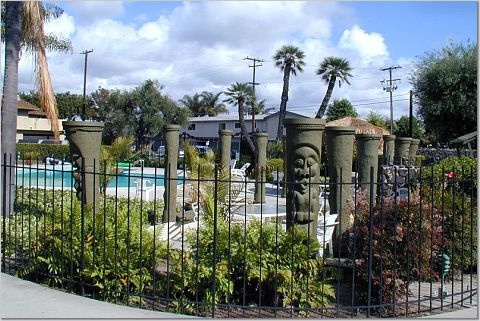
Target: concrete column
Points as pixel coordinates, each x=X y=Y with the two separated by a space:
x=261 y=140
x=388 y=149
x=303 y=154
x=367 y=157
x=225 y=148
x=85 y=138
x=402 y=150
x=171 y=133
x=340 y=154
x=413 y=151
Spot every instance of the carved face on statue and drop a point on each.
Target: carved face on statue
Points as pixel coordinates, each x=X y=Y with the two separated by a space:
x=306 y=169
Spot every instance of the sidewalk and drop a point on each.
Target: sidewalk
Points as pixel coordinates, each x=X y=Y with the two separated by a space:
x=22 y=299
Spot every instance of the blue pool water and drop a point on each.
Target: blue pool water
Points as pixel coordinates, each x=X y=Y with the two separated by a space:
x=61 y=177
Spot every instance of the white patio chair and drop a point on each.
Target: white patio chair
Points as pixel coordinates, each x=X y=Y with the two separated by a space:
x=325 y=228
x=145 y=189
x=240 y=171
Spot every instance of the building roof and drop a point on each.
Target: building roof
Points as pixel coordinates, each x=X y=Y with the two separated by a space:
x=234 y=117
x=465 y=139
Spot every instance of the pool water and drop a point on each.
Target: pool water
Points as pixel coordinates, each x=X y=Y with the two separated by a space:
x=61 y=177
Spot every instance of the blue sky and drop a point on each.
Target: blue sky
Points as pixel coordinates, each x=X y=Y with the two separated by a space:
x=201 y=45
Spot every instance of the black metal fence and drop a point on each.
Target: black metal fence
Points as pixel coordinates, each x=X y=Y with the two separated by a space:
x=402 y=254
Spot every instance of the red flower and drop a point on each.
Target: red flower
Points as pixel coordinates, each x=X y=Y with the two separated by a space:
x=450 y=175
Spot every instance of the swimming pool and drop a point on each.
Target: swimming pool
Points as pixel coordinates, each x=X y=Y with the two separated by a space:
x=61 y=177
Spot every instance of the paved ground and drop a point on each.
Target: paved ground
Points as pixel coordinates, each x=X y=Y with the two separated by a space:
x=27 y=300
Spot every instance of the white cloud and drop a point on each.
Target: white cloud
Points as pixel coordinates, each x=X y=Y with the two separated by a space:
x=201 y=46
x=370 y=46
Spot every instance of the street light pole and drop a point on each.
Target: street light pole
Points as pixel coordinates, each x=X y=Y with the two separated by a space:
x=86 y=52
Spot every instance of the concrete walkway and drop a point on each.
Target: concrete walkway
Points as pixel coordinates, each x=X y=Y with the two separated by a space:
x=22 y=299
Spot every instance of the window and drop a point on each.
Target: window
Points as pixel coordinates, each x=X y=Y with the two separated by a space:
x=222 y=126
x=191 y=127
x=237 y=125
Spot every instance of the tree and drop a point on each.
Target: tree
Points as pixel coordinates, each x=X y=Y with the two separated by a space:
x=378 y=120
x=340 y=108
x=403 y=128
x=119 y=111
x=239 y=95
x=290 y=60
x=193 y=103
x=68 y=104
x=445 y=89
x=331 y=69
x=259 y=108
x=210 y=104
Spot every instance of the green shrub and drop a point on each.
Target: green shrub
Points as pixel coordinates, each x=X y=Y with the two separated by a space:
x=40 y=151
x=282 y=266
x=111 y=251
x=452 y=186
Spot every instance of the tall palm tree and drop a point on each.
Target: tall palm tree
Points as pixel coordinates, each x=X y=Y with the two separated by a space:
x=259 y=108
x=240 y=94
x=193 y=103
x=331 y=69
x=24 y=28
x=290 y=60
x=211 y=105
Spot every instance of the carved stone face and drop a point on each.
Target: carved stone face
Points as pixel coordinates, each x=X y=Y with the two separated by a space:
x=306 y=168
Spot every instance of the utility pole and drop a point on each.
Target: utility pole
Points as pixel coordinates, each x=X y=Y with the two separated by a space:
x=86 y=52
x=390 y=86
x=410 y=119
x=253 y=83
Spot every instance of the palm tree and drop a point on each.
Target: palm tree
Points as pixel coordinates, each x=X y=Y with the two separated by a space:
x=192 y=103
x=289 y=60
x=210 y=104
x=330 y=69
x=24 y=28
x=240 y=94
x=259 y=108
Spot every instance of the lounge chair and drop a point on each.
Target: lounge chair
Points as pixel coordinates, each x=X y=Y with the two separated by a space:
x=325 y=229
x=242 y=171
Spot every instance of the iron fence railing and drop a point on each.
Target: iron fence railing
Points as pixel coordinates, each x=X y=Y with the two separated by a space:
x=409 y=249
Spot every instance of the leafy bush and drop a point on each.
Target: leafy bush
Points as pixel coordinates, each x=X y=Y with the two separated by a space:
x=32 y=151
x=258 y=265
x=110 y=250
x=452 y=186
x=398 y=244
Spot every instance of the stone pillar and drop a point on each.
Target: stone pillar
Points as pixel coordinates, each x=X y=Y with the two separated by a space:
x=340 y=154
x=402 y=150
x=303 y=154
x=367 y=157
x=388 y=149
x=261 y=140
x=413 y=151
x=171 y=133
x=225 y=148
x=85 y=138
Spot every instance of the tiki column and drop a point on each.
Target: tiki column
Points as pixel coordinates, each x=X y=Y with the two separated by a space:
x=261 y=139
x=402 y=150
x=171 y=133
x=340 y=153
x=367 y=158
x=388 y=149
x=413 y=151
x=303 y=154
x=225 y=148
x=85 y=139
